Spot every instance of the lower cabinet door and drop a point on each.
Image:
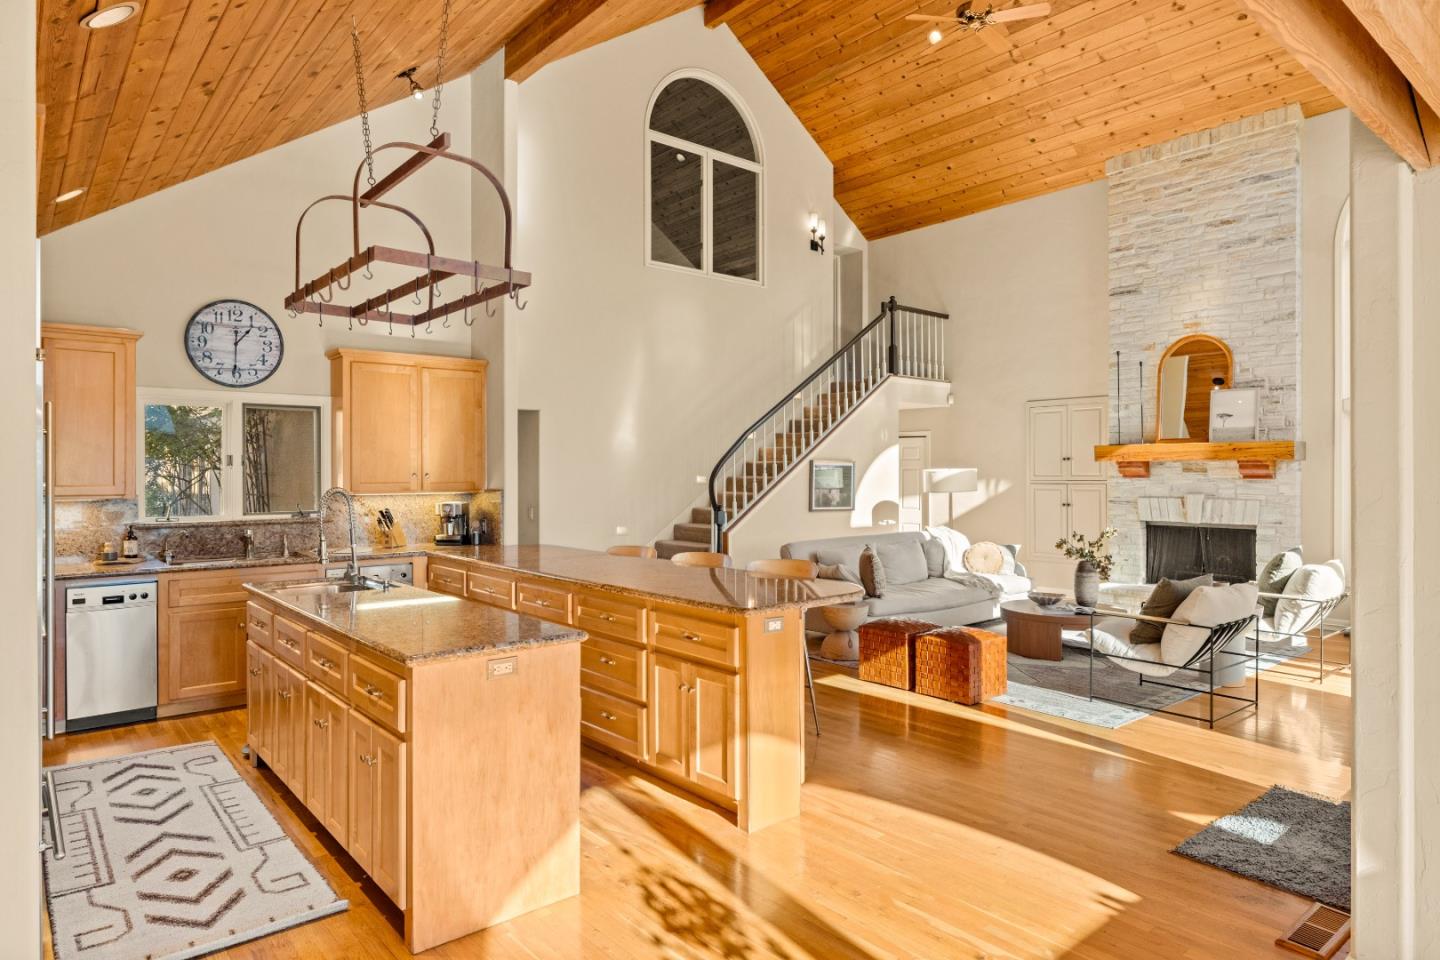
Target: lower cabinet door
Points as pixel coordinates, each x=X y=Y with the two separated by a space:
x=205 y=652
x=668 y=715
x=327 y=772
x=257 y=691
x=387 y=866
x=361 y=763
x=290 y=739
x=713 y=707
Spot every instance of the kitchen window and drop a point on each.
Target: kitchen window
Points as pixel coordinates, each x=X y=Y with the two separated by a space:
x=703 y=187
x=221 y=456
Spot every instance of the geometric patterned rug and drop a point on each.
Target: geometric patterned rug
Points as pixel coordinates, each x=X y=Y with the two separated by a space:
x=170 y=854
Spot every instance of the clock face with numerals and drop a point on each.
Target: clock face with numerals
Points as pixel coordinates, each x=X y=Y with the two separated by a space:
x=234 y=343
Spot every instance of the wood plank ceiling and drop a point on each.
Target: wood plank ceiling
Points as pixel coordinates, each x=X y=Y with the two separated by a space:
x=920 y=134
x=191 y=85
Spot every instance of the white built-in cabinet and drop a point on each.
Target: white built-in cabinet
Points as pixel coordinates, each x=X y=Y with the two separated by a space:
x=1066 y=488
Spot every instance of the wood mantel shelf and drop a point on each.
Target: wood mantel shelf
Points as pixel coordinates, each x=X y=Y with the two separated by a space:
x=1256 y=458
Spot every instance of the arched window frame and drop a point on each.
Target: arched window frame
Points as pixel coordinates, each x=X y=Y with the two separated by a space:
x=708 y=156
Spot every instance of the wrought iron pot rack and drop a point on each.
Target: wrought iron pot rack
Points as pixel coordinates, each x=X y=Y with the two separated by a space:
x=487 y=282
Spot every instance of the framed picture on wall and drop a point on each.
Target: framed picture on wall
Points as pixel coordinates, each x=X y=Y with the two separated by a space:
x=832 y=485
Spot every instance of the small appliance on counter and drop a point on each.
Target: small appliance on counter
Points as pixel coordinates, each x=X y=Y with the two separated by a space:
x=454 y=522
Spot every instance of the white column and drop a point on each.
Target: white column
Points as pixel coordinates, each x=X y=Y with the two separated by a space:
x=20 y=680
x=1396 y=427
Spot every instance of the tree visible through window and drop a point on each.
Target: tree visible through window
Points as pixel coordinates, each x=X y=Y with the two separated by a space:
x=704 y=178
x=183 y=448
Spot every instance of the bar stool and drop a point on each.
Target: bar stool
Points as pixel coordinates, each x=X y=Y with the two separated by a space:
x=631 y=550
x=701 y=558
x=798 y=570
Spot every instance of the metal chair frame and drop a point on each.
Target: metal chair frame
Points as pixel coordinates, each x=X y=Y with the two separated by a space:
x=1318 y=617
x=1219 y=638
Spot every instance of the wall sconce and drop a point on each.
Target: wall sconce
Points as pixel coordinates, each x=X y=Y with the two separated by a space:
x=817 y=233
x=415 y=90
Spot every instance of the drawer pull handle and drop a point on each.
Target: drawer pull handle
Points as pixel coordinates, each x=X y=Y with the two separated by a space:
x=322 y=723
x=540 y=603
x=690 y=636
x=607 y=617
x=283 y=694
x=366 y=759
x=607 y=661
x=254 y=671
x=375 y=692
x=607 y=715
x=290 y=643
x=325 y=663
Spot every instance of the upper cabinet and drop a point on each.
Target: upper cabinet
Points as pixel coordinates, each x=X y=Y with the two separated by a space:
x=407 y=423
x=1062 y=436
x=90 y=396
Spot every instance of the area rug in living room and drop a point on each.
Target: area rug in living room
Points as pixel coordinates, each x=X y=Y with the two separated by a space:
x=1285 y=839
x=169 y=854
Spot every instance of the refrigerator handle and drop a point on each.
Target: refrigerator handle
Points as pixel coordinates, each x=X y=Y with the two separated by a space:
x=47 y=616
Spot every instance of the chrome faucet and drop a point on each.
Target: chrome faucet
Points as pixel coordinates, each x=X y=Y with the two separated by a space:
x=248 y=538
x=352 y=566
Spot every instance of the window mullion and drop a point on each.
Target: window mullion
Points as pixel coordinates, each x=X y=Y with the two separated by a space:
x=707 y=201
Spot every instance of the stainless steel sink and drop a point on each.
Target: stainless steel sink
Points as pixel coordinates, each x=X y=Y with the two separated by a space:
x=365 y=584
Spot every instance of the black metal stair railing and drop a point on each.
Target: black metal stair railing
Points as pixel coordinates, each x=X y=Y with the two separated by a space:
x=902 y=341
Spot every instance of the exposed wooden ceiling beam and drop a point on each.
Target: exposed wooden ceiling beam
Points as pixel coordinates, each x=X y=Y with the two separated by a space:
x=569 y=26
x=1331 y=43
x=1409 y=31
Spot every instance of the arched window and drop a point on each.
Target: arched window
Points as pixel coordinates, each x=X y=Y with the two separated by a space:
x=704 y=182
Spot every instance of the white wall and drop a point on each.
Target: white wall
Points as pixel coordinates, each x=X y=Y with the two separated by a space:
x=1025 y=287
x=1395 y=341
x=231 y=233
x=19 y=688
x=643 y=375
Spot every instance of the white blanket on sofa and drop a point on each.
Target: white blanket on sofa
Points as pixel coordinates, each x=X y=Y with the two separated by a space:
x=955 y=544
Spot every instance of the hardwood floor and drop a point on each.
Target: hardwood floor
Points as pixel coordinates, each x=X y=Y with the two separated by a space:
x=929 y=830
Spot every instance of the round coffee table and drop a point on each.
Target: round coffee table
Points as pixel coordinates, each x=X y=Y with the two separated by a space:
x=1033 y=631
x=843 y=643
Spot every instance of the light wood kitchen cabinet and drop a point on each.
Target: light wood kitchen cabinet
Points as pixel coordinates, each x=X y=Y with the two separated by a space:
x=206 y=652
x=327 y=763
x=287 y=729
x=257 y=694
x=407 y=422
x=90 y=395
x=377 y=805
x=692 y=723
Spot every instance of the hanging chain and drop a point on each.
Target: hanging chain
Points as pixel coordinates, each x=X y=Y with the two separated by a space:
x=440 y=69
x=364 y=106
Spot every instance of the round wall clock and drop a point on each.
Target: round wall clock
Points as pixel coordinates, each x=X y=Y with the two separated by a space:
x=234 y=343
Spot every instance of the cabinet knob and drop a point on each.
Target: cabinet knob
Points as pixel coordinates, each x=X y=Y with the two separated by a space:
x=684 y=688
x=375 y=692
x=607 y=661
x=691 y=637
x=607 y=617
x=283 y=694
x=325 y=663
x=322 y=723
x=254 y=671
x=607 y=715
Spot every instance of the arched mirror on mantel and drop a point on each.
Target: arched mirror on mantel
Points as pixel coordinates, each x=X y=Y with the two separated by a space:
x=1190 y=369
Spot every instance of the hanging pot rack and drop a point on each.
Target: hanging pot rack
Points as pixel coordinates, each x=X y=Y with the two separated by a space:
x=487 y=282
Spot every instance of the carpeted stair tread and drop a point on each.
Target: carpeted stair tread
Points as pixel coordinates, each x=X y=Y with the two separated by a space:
x=694 y=532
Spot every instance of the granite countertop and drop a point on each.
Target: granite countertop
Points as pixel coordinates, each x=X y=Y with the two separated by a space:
x=410 y=625
x=151 y=566
x=730 y=590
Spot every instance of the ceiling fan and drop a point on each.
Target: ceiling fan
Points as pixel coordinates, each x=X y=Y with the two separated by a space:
x=968 y=19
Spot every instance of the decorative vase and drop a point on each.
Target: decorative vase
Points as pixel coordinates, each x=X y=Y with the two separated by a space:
x=1087 y=584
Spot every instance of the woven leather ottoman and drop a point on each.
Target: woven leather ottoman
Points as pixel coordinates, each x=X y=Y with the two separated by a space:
x=960 y=664
x=887 y=650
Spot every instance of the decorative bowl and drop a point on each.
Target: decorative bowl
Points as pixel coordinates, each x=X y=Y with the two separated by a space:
x=1045 y=598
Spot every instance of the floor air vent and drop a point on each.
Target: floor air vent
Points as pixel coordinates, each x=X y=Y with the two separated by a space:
x=1320 y=933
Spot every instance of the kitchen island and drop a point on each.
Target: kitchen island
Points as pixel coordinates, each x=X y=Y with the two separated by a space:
x=436 y=739
x=694 y=675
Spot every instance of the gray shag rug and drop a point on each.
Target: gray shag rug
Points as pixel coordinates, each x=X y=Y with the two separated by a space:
x=1284 y=839
x=170 y=854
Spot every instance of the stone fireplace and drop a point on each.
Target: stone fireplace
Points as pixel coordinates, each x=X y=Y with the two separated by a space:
x=1204 y=238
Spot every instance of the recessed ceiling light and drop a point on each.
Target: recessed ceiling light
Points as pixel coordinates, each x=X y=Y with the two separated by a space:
x=936 y=36
x=69 y=194
x=113 y=15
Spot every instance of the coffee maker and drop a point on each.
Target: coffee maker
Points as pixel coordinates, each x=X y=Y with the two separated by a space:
x=454 y=522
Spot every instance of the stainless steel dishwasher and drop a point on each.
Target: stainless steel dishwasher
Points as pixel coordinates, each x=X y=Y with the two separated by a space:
x=110 y=654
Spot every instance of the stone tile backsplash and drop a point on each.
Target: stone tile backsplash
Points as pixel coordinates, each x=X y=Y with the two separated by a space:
x=83 y=527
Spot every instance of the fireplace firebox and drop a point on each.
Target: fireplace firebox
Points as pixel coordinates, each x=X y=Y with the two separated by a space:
x=1182 y=551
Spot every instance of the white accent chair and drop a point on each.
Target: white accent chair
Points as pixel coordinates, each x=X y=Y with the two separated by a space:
x=1311 y=595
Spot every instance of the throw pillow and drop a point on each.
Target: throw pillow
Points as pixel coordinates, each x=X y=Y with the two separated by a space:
x=872 y=573
x=1163 y=602
x=934 y=558
x=1276 y=575
x=846 y=556
x=986 y=557
x=1207 y=607
x=835 y=571
x=902 y=560
x=1311 y=585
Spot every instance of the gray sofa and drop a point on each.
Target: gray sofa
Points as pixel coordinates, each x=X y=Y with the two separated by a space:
x=939 y=599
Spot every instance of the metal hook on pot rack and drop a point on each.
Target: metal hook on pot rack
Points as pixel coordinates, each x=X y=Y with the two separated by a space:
x=474 y=291
x=368 y=274
x=349 y=279
x=490 y=310
x=514 y=293
x=324 y=299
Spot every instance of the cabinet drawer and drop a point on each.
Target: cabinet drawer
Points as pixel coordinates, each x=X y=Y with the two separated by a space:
x=325 y=661
x=614 y=667
x=257 y=625
x=545 y=602
x=289 y=642
x=446 y=579
x=696 y=637
x=488 y=588
x=377 y=693
x=616 y=723
x=611 y=618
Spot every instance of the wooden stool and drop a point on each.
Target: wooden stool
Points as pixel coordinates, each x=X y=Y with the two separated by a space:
x=887 y=650
x=960 y=664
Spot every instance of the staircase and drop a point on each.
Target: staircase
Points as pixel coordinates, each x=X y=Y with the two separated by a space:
x=688 y=537
x=900 y=342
